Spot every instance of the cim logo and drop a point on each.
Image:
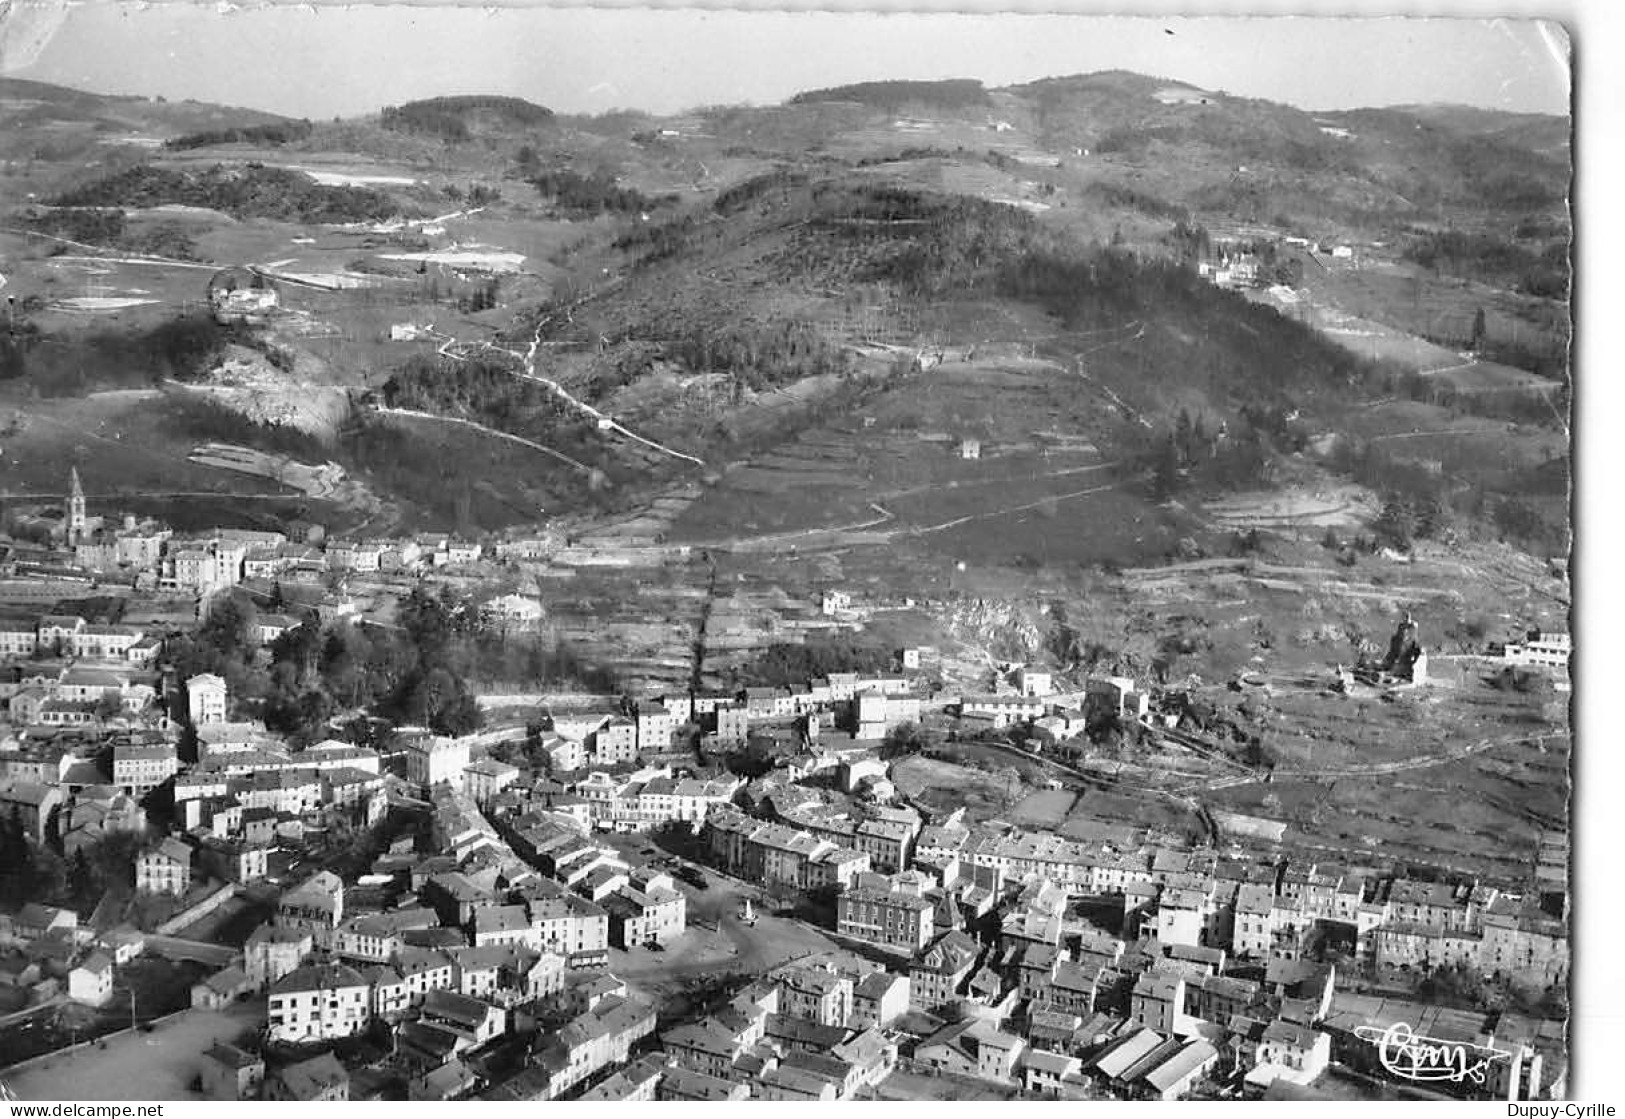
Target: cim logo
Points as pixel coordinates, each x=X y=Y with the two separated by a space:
x=1411 y=1056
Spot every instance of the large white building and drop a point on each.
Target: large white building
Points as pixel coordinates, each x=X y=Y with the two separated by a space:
x=206 y=699
x=318 y=1002
x=432 y=761
x=487 y=777
x=1545 y=650
x=165 y=868
x=138 y=769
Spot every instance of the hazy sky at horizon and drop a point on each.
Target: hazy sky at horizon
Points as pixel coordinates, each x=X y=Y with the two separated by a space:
x=316 y=61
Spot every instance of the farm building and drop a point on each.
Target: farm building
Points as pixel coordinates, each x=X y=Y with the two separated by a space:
x=241 y=295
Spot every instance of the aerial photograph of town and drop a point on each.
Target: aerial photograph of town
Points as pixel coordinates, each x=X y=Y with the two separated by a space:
x=943 y=559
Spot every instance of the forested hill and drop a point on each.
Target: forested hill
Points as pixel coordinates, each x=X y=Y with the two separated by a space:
x=951 y=93
x=463 y=117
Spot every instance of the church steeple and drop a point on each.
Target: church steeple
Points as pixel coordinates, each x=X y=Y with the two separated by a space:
x=76 y=507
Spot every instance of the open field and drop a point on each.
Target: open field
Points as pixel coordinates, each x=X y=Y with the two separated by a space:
x=1366 y=776
x=1460 y=444
x=455 y=478
x=1378 y=340
x=1410 y=298
x=1044 y=810
x=945 y=785
x=134 y=454
x=1125 y=818
x=124 y=444
x=1038 y=493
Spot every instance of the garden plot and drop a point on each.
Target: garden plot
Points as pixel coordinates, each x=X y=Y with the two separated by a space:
x=1335 y=507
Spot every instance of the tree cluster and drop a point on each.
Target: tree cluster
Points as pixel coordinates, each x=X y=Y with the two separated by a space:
x=785 y=664
x=279 y=132
x=742 y=194
x=594 y=194
x=414 y=674
x=448 y=118
x=1523 y=681
x=478 y=194
x=1130 y=198
x=1490 y=257
x=251 y=191
x=108 y=228
x=1189 y=455
x=949 y=93
x=16 y=857
x=103 y=868
x=90 y=225
x=479 y=388
x=759 y=357
x=658 y=240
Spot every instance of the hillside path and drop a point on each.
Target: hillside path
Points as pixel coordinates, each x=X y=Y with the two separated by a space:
x=527 y=361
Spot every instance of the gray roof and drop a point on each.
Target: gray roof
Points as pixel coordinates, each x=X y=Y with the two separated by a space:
x=318 y=977
x=1180 y=1065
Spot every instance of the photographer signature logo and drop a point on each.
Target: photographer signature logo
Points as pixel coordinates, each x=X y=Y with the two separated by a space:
x=1411 y=1056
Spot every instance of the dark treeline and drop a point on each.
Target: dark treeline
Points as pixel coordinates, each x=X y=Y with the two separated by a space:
x=92 y=225
x=950 y=93
x=754 y=357
x=181 y=348
x=108 y=228
x=479 y=388
x=204 y=419
x=907 y=155
x=413 y=674
x=741 y=195
x=252 y=191
x=1419 y=502
x=782 y=665
x=1487 y=256
x=1114 y=194
x=448 y=117
x=658 y=240
x=927 y=245
x=595 y=194
x=759 y=357
x=1200 y=453
x=280 y=132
